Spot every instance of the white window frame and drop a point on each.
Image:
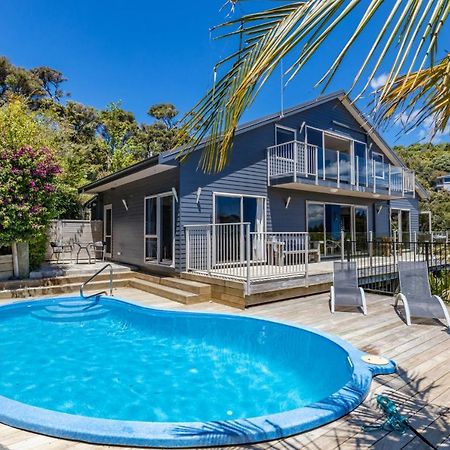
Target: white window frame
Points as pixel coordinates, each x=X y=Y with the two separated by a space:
x=158 y=235
x=241 y=196
x=282 y=127
x=400 y=221
x=374 y=165
x=107 y=207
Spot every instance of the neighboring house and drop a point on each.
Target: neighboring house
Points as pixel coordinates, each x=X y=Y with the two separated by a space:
x=319 y=168
x=443 y=183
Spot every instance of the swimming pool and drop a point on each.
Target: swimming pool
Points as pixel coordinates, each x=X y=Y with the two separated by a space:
x=110 y=372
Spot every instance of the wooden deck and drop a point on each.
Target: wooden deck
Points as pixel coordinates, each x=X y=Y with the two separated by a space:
x=421 y=387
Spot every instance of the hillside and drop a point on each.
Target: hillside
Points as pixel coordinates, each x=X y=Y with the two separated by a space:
x=429 y=162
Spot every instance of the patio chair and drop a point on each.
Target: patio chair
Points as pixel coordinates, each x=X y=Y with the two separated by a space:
x=415 y=293
x=99 y=247
x=345 y=290
x=59 y=248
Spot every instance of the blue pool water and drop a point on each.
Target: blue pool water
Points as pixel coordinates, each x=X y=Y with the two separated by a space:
x=108 y=359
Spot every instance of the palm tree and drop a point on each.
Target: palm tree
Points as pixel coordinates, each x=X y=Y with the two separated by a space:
x=405 y=45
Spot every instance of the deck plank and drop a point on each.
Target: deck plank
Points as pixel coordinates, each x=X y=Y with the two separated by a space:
x=421 y=387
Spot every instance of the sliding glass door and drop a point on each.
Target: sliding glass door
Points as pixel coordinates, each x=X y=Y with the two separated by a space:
x=400 y=224
x=326 y=222
x=159 y=229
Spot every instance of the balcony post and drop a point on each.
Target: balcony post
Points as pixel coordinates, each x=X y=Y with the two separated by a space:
x=389 y=178
x=268 y=167
x=357 y=173
x=374 y=176
x=316 y=156
x=338 y=159
x=403 y=182
x=305 y=159
x=323 y=162
x=296 y=161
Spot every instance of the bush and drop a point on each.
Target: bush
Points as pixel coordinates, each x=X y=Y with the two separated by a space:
x=38 y=248
x=27 y=193
x=440 y=284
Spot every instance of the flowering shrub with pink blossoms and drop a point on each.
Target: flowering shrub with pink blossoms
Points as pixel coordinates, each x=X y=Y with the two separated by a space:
x=27 y=186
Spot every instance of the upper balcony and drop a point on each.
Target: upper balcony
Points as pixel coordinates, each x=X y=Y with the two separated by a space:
x=297 y=165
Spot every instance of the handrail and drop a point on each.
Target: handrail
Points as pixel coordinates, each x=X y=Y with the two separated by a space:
x=82 y=287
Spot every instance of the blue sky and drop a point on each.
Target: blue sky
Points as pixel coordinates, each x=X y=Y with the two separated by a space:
x=144 y=52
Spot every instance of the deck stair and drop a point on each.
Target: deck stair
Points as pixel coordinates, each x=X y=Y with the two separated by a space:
x=176 y=289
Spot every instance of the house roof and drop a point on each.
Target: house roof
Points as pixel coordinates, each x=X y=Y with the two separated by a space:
x=144 y=168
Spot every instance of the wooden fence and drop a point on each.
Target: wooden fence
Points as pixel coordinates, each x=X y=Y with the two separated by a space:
x=71 y=231
x=6 y=267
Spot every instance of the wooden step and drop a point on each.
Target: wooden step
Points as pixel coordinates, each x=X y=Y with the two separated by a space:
x=201 y=289
x=60 y=289
x=171 y=293
x=57 y=281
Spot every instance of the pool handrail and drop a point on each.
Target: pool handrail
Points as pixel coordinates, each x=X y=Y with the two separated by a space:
x=83 y=286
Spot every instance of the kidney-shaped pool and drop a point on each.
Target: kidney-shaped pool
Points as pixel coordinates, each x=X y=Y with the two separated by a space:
x=111 y=372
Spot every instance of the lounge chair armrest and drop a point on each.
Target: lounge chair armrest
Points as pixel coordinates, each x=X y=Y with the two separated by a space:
x=363 y=300
x=404 y=300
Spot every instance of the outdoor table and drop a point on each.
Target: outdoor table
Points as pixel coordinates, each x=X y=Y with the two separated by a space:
x=84 y=246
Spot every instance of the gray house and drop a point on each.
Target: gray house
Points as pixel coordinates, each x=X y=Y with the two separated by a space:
x=294 y=183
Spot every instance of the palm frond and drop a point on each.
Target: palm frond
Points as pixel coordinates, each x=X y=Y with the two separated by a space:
x=410 y=31
x=429 y=88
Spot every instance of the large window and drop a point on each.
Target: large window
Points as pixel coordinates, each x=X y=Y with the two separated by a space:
x=159 y=229
x=239 y=209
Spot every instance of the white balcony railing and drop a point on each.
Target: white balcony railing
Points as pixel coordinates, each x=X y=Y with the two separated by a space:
x=301 y=160
x=232 y=251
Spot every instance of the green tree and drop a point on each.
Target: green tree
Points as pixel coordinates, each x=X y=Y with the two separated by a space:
x=401 y=38
x=161 y=135
x=116 y=128
x=429 y=162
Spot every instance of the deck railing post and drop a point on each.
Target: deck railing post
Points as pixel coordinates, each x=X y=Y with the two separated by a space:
x=307 y=259
x=395 y=248
x=268 y=167
x=371 y=248
x=342 y=246
x=188 y=248
x=208 y=250
x=248 y=250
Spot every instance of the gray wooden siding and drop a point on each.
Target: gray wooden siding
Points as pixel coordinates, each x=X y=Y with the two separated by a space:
x=128 y=226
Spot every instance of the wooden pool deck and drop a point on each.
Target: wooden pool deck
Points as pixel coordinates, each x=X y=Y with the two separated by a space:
x=421 y=387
